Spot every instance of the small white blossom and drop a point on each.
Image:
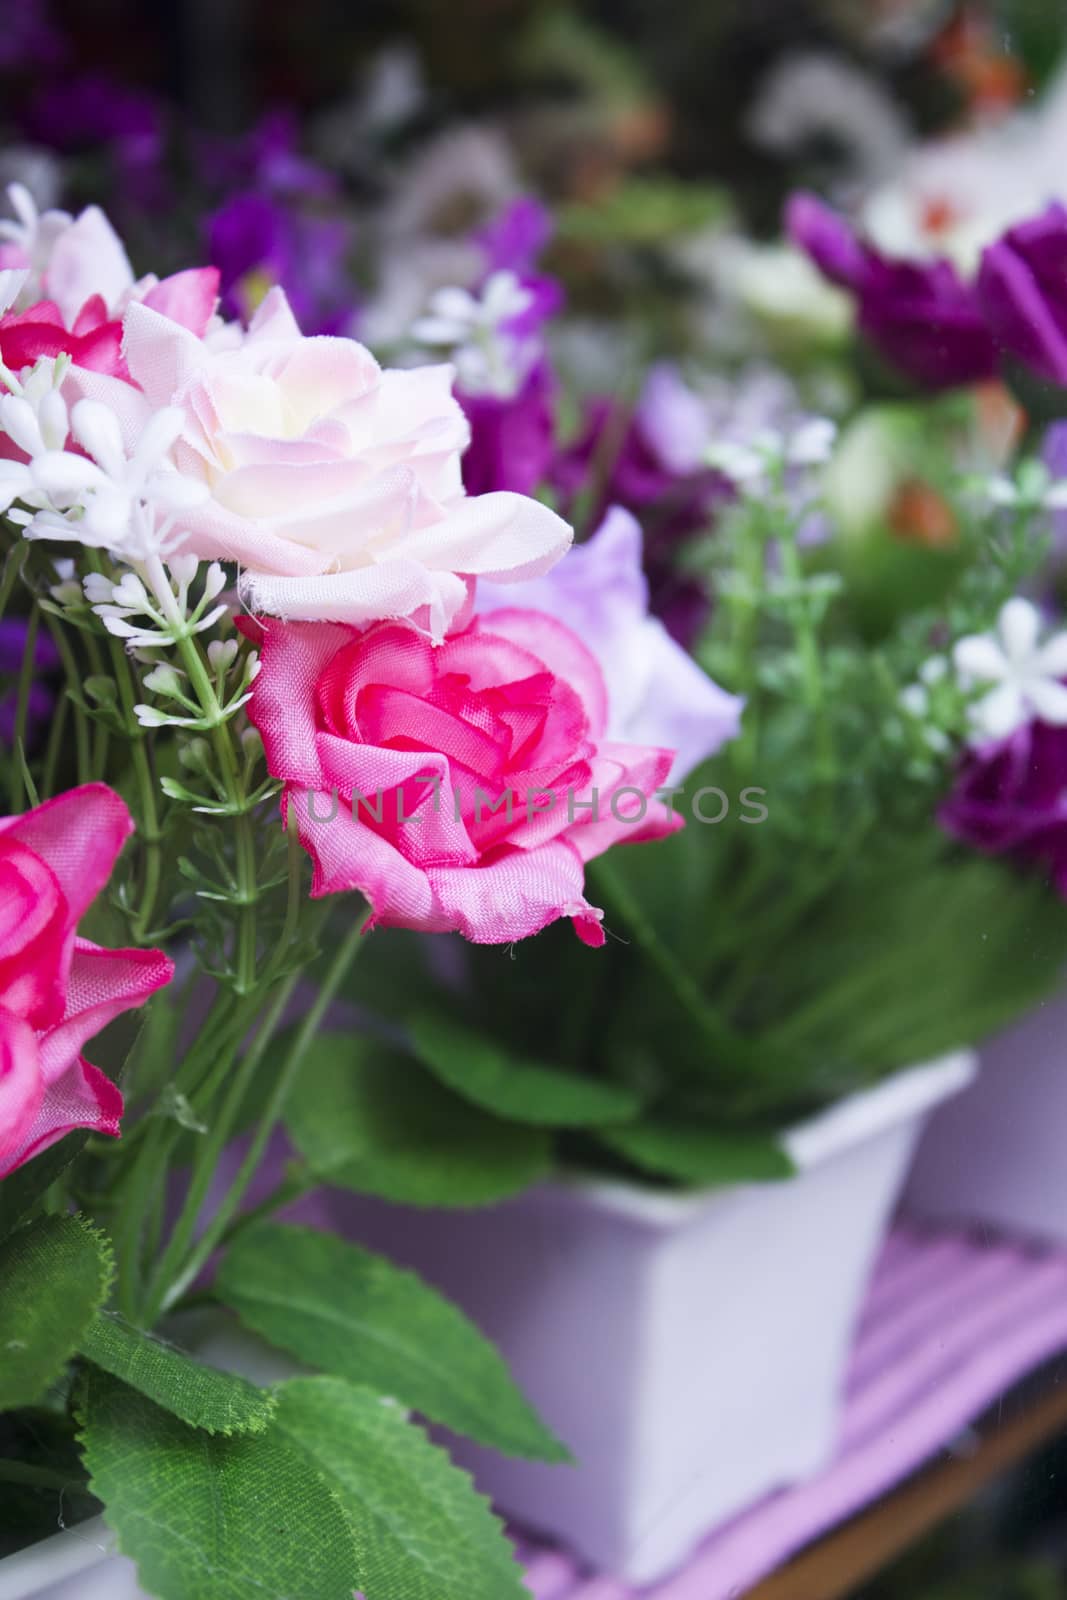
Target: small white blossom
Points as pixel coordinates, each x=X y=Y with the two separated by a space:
x=34 y=233
x=749 y=464
x=1024 y=673
x=488 y=356
x=1032 y=489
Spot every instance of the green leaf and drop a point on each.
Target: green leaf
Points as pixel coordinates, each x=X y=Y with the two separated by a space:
x=367 y=1118
x=22 y=1190
x=55 y=1276
x=347 y=1312
x=210 y=1518
x=482 y=1071
x=202 y=1396
x=421 y=1529
x=704 y=1157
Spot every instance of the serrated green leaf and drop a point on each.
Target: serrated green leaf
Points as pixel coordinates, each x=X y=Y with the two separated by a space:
x=210 y=1518
x=54 y=1277
x=480 y=1070
x=706 y=1157
x=204 y=1397
x=345 y=1311
x=368 y=1118
x=422 y=1531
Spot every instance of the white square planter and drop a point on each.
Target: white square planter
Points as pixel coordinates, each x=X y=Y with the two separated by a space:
x=690 y=1350
x=995 y=1155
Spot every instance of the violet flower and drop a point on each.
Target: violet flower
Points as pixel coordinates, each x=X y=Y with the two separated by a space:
x=41 y=698
x=1010 y=798
x=258 y=241
x=920 y=315
x=1022 y=291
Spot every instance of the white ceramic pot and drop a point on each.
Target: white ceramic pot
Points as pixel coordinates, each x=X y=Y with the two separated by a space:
x=690 y=1350
x=995 y=1155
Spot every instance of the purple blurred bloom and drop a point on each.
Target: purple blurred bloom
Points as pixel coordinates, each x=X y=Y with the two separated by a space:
x=255 y=236
x=1022 y=290
x=41 y=697
x=28 y=37
x=267 y=157
x=657 y=695
x=631 y=459
x=512 y=439
x=69 y=113
x=920 y=316
x=1010 y=798
x=513 y=240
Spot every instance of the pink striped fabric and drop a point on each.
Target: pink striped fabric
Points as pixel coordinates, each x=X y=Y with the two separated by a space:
x=951 y=1323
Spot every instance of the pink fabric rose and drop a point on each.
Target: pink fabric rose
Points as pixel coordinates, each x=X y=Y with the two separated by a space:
x=462 y=786
x=335 y=484
x=56 y=990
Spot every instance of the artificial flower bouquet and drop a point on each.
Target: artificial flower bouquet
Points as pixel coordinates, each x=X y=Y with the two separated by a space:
x=241 y=582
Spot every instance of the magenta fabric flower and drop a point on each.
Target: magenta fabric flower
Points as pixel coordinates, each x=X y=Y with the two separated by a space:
x=57 y=990
x=459 y=787
x=1022 y=290
x=919 y=315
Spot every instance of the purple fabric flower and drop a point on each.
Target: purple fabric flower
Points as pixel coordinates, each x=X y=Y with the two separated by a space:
x=514 y=240
x=1011 y=799
x=620 y=453
x=1022 y=290
x=657 y=695
x=41 y=697
x=68 y=114
x=919 y=315
x=256 y=236
x=513 y=439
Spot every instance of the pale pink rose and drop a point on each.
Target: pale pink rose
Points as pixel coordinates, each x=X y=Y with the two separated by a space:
x=57 y=990
x=438 y=741
x=336 y=485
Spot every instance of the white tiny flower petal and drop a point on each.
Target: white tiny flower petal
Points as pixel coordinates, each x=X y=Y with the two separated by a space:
x=53 y=420
x=214 y=581
x=18 y=419
x=1049 y=700
x=183 y=570
x=15 y=482
x=1052 y=657
x=934 y=670
x=979 y=657
x=1001 y=491
x=97 y=430
x=915 y=700
x=812 y=443
x=999 y=713
x=1019 y=625
x=98 y=588
x=439 y=330
x=12 y=283
x=1055 y=496
x=172 y=493
x=64 y=476
x=455 y=304
x=158 y=436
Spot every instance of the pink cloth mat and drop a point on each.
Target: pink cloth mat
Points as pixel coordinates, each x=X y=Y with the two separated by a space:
x=951 y=1323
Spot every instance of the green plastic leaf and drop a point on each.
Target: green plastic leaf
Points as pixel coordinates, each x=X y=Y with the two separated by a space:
x=54 y=1277
x=345 y=1311
x=482 y=1071
x=421 y=1530
x=701 y=1156
x=210 y=1518
x=201 y=1396
x=367 y=1118
x=22 y=1190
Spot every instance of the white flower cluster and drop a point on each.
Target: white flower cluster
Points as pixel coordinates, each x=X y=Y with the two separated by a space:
x=104 y=497
x=997 y=682
x=478 y=332
x=751 y=465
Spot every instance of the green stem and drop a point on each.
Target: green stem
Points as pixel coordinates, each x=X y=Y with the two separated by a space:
x=82 y=753
x=148 y=825
x=216 y=1228
x=206 y=694
x=721 y=1040
x=38 y=1477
